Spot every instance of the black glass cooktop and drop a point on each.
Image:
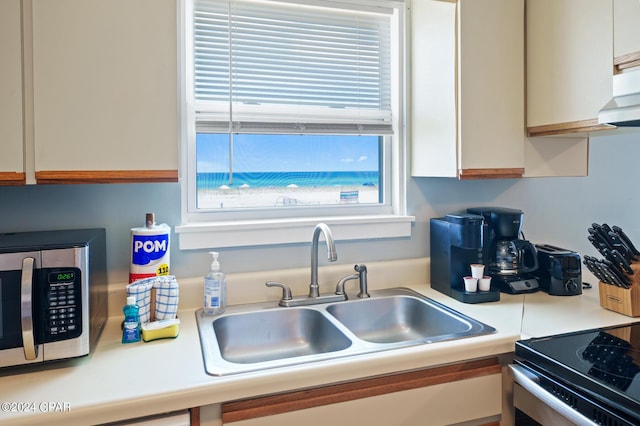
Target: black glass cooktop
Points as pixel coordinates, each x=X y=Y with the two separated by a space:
x=603 y=363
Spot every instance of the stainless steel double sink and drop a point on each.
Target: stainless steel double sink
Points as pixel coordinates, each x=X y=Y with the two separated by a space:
x=260 y=336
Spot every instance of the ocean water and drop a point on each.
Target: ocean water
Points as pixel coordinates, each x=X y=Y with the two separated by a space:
x=283 y=179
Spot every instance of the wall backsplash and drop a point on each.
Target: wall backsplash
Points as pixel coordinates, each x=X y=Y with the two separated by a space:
x=556 y=211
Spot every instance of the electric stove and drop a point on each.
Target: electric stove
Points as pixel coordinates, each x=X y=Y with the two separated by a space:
x=594 y=371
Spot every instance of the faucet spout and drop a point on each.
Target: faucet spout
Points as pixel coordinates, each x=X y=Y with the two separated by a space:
x=332 y=256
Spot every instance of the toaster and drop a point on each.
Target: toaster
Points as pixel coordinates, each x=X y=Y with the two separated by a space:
x=559 y=270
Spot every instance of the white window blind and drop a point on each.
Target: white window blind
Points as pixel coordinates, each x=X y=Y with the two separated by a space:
x=277 y=67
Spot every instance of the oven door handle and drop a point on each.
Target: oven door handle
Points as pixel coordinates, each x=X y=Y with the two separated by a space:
x=531 y=384
x=26 y=309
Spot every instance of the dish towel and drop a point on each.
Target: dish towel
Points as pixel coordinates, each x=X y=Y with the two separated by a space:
x=141 y=289
x=166 y=297
x=167 y=293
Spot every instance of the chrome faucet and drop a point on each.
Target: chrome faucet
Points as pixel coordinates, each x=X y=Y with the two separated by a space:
x=332 y=256
x=314 y=298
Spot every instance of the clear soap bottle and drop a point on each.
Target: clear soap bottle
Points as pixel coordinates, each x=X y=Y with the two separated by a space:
x=131 y=327
x=215 y=288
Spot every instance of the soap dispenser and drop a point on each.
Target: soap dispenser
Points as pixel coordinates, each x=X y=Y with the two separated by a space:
x=215 y=288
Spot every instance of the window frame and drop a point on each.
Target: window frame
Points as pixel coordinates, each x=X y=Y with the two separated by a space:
x=256 y=227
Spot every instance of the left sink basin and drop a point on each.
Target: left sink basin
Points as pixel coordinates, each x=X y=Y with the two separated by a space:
x=278 y=334
x=261 y=338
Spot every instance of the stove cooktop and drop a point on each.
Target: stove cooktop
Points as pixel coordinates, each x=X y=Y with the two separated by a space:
x=603 y=363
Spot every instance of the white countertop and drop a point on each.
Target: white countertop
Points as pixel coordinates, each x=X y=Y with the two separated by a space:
x=125 y=381
x=547 y=315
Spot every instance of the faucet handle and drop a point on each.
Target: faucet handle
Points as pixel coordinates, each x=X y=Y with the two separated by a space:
x=342 y=282
x=361 y=276
x=286 y=291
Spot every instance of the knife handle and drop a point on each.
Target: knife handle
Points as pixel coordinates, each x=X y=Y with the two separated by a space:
x=619 y=276
x=618 y=244
x=621 y=261
x=598 y=233
x=624 y=237
x=591 y=267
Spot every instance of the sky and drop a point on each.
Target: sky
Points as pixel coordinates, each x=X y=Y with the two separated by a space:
x=287 y=153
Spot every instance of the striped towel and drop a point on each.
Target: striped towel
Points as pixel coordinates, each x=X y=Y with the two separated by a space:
x=167 y=292
x=141 y=289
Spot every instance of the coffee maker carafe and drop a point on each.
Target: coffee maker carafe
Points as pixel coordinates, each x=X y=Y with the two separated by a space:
x=513 y=257
x=511 y=260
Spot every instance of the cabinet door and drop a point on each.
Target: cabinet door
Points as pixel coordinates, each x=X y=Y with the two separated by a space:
x=626 y=34
x=105 y=90
x=476 y=401
x=433 y=88
x=466 y=392
x=569 y=53
x=491 y=88
x=467 y=88
x=11 y=105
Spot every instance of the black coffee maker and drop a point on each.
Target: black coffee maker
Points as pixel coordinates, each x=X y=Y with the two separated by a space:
x=456 y=244
x=510 y=259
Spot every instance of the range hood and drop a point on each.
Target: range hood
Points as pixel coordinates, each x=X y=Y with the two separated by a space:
x=623 y=110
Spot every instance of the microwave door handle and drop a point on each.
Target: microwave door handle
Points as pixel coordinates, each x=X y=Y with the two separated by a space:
x=26 y=309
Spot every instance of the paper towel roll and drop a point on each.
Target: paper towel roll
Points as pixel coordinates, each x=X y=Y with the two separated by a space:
x=149 y=250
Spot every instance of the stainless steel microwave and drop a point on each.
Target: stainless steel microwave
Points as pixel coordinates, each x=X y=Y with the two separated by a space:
x=53 y=295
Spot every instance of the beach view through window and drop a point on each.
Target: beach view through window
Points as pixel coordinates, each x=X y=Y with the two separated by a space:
x=265 y=171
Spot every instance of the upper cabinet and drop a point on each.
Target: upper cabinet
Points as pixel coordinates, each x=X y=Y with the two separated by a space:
x=626 y=34
x=467 y=96
x=467 y=88
x=569 y=52
x=11 y=107
x=104 y=90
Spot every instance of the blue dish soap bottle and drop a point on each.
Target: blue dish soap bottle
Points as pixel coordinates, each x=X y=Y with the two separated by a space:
x=131 y=329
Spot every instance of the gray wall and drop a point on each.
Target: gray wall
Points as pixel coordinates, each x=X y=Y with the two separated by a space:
x=557 y=211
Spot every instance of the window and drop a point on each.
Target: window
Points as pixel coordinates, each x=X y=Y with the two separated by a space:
x=292 y=112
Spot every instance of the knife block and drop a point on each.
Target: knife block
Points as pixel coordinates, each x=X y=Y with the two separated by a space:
x=625 y=301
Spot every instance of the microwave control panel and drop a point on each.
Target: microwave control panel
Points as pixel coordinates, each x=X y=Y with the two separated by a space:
x=64 y=308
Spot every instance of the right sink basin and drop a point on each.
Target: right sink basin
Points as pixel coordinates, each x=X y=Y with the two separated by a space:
x=403 y=318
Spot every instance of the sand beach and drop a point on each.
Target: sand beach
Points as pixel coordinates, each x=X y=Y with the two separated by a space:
x=246 y=196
